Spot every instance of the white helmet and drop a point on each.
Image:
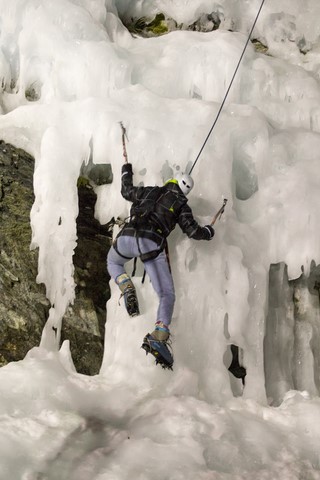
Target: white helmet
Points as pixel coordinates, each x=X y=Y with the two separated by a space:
x=185 y=182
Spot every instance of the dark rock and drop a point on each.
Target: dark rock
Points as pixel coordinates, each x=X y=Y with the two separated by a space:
x=98 y=174
x=23 y=304
x=84 y=321
x=207 y=22
x=150 y=27
x=259 y=47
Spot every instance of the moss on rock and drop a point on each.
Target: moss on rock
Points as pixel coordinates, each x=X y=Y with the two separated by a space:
x=147 y=27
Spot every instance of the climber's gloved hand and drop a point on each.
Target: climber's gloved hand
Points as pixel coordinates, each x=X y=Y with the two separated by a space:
x=127 y=168
x=209 y=232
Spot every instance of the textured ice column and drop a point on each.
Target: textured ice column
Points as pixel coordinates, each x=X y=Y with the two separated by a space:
x=279 y=337
x=292 y=340
x=306 y=344
x=314 y=289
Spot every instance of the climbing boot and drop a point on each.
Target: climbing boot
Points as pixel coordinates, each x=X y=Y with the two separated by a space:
x=128 y=291
x=157 y=343
x=161 y=332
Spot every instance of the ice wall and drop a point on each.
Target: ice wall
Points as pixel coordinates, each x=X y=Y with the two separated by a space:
x=71 y=72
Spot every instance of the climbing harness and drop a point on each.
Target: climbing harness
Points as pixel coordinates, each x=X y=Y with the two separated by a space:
x=228 y=89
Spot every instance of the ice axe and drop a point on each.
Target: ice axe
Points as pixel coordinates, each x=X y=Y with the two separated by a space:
x=124 y=137
x=219 y=212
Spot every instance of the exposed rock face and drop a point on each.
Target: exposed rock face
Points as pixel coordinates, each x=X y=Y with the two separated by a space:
x=23 y=304
x=84 y=321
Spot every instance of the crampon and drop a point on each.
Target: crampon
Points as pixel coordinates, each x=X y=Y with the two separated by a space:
x=159 y=350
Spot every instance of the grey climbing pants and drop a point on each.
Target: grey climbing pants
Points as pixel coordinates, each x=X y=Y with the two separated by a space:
x=157 y=269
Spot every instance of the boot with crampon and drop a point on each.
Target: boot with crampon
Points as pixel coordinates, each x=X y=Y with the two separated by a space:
x=129 y=293
x=158 y=344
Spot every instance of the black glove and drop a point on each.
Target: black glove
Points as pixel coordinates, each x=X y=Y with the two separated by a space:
x=127 y=168
x=209 y=232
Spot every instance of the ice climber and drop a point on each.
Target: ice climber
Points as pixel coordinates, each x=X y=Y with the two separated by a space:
x=154 y=213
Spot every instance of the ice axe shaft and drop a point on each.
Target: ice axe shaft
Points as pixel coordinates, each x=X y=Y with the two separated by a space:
x=124 y=137
x=219 y=212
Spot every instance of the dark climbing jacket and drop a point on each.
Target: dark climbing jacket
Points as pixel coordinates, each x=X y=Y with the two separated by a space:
x=169 y=207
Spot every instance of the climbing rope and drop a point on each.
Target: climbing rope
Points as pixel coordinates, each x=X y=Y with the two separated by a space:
x=229 y=87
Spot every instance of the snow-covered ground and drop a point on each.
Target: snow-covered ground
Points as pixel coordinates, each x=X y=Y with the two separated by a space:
x=70 y=73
